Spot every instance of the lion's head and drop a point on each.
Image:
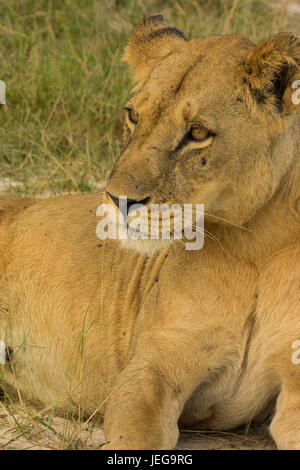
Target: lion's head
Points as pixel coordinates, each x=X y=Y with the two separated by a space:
x=211 y=121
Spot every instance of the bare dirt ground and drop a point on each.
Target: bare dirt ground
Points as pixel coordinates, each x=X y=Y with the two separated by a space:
x=256 y=438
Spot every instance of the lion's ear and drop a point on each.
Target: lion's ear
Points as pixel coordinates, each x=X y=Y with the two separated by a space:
x=152 y=40
x=273 y=69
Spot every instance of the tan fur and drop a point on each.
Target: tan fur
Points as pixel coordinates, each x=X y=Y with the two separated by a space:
x=204 y=337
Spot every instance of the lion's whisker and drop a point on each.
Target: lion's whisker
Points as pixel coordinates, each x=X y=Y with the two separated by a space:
x=191 y=211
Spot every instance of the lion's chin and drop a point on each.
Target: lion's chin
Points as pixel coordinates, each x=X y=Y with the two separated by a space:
x=145 y=247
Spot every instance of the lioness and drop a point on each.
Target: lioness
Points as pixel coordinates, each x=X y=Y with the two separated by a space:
x=146 y=332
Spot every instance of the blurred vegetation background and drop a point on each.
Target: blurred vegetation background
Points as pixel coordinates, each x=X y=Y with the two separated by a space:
x=66 y=83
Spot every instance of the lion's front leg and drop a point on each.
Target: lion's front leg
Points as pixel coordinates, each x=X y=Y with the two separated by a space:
x=285 y=427
x=146 y=403
x=143 y=411
x=147 y=400
x=279 y=317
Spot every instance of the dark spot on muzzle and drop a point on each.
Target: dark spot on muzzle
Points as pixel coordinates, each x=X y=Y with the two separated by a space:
x=130 y=202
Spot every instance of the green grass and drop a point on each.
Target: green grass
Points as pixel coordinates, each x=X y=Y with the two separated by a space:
x=66 y=82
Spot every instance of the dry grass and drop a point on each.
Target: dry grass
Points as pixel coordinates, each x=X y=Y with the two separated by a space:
x=60 y=130
x=23 y=428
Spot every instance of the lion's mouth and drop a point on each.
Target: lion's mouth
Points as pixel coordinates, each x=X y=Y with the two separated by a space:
x=154 y=225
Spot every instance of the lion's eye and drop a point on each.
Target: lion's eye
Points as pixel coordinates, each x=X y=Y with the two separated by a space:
x=199 y=133
x=132 y=115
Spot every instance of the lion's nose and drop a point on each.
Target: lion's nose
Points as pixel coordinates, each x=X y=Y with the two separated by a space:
x=124 y=205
